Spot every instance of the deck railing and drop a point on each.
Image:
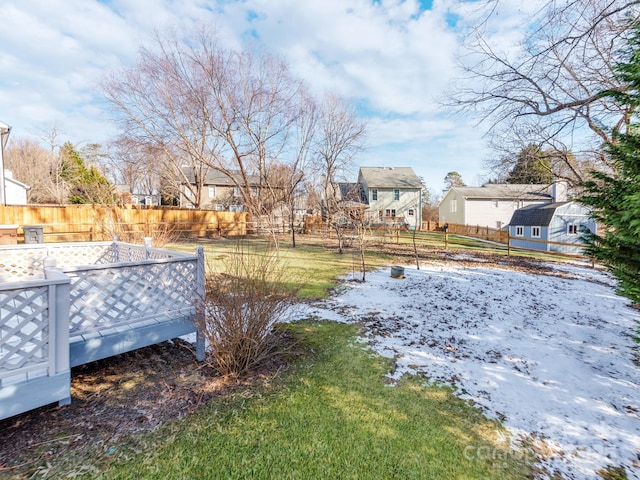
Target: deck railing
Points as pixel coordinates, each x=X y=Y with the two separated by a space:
x=61 y=313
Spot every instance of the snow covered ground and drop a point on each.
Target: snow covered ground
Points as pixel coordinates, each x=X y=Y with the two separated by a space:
x=549 y=355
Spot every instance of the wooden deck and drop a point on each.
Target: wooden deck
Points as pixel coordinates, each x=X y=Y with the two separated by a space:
x=60 y=315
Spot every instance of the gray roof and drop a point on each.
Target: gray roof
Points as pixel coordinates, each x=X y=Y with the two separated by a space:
x=535 y=215
x=350 y=192
x=507 y=191
x=390 y=177
x=215 y=177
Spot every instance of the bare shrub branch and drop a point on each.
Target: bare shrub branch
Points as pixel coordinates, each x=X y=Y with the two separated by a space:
x=241 y=308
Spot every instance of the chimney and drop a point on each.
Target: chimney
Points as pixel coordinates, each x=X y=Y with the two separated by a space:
x=559 y=191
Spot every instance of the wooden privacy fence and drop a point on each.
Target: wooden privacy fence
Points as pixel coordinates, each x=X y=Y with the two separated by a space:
x=64 y=223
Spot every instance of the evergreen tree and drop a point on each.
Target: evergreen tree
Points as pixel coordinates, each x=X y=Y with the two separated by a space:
x=453 y=179
x=615 y=196
x=87 y=184
x=532 y=166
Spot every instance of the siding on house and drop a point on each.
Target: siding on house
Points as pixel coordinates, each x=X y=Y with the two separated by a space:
x=491 y=205
x=392 y=192
x=561 y=222
x=15 y=191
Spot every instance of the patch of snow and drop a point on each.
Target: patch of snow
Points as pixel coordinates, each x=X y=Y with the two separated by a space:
x=550 y=356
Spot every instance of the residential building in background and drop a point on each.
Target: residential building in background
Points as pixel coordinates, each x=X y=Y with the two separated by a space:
x=541 y=227
x=492 y=205
x=393 y=195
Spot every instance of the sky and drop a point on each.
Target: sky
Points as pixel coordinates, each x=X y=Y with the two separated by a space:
x=395 y=59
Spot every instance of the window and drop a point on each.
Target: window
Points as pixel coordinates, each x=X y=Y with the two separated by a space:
x=396 y=194
x=572 y=229
x=390 y=212
x=380 y=214
x=410 y=213
x=212 y=191
x=453 y=206
x=499 y=225
x=494 y=203
x=236 y=192
x=535 y=232
x=519 y=231
x=374 y=194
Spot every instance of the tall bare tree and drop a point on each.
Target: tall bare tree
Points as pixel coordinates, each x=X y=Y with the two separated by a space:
x=29 y=163
x=552 y=90
x=341 y=136
x=209 y=107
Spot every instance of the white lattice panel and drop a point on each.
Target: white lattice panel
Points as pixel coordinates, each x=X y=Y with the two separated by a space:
x=73 y=255
x=119 y=295
x=24 y=336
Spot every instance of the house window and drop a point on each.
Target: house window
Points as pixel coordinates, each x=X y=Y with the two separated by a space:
x=499 y=225
x=494 y=203
x=374 y=194
x=236 y=192
x=572 y=229
x=390 y=212
x=519 y=231
x=453 y=206
x=212 y=191
x=396 y=194
x=380 y=214
x=410 y=213
x=535 y=232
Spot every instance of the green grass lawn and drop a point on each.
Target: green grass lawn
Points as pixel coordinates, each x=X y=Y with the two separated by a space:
x=331 y=416
x=308 y=264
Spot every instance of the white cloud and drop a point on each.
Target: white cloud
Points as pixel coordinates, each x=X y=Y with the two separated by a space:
x=393 y=56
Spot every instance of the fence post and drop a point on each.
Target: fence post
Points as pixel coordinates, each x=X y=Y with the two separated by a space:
x=508 y=243
x=147 y=245
x=59 y=307
x=200 y=298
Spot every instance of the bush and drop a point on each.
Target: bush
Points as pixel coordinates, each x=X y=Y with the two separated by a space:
x=241 y=307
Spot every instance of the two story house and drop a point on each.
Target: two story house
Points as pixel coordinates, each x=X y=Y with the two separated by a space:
x=492 y=205
x=220 y=192
x=393 y=195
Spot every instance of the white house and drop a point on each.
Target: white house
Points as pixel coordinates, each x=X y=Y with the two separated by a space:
x=392 y=194
x=492 y=205
x=15 y=191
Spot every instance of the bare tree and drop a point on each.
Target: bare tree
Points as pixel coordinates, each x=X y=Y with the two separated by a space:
x=211 y=108
x=162 y=104
x=29 y=163
x=553 y=89
x=341 y=136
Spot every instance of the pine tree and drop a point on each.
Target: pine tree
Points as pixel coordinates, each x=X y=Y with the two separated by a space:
x=615 y=197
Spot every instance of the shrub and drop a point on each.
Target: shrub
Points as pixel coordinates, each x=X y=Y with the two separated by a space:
x=242 y=305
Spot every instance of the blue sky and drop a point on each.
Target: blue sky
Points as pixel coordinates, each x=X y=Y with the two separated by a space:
x=396 y=59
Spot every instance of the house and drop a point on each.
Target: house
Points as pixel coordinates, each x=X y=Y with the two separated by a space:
x=492 y=205
x=220 y=192
x=392 y=195
x=15 y=192
x=562 y=222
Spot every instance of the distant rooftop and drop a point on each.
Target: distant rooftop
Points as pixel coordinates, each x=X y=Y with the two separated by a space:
x=507 y=191
x=390 y=177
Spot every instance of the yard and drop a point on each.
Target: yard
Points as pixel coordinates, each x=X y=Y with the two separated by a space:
x=544 y=351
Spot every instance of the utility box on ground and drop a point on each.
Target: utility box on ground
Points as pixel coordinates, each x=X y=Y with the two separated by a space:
x=33 y=234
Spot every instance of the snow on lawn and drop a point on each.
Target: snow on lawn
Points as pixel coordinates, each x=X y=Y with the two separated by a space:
x=551 y=356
